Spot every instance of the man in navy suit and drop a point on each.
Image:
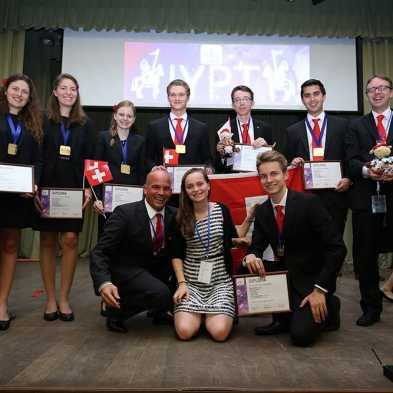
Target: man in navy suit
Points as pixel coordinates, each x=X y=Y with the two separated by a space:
x=306 y=243
x=321 y=137
x=371 y=190
x=131 y=264
x=245 y=128
x=186 y=137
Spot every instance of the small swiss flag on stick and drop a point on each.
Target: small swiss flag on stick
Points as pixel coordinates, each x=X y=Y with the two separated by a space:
x=97 y=172
x=170 y=157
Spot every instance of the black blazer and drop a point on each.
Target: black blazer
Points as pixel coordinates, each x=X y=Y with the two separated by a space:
x=314 y=251
x=29 y=150
x=297 y=146
x=362 y=137
x=125 y=248
x=179 y=245
x=262 y=129
x=113 y=155
x=197 y=143
x=82 y=142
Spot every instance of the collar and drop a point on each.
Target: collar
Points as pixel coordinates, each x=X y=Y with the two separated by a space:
x=173 y=117
x=321 y=117
x=248 y=121
x=387 y=113
x=283 y=201
x=152 y=212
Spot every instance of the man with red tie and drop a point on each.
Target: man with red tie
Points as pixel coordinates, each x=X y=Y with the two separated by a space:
x=321 y=137
x=306 y=243
x=130 y=264
x=371 y=195
x=177 y=138
x=245 y=129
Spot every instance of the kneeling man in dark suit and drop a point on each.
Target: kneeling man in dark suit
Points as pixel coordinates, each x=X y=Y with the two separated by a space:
x=307 y=244
x=130 y=264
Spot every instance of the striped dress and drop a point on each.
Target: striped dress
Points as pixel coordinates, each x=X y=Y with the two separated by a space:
x=217 y=297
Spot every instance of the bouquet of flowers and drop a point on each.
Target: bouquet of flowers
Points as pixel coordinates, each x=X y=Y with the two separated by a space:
x=383 y=161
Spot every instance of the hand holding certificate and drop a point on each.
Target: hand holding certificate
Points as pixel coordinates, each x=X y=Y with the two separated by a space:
x=321 y=174
x=245 y=157
x=257 y=295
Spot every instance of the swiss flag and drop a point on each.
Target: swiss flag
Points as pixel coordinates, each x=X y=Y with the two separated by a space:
x=97 y=172
x=170 y=157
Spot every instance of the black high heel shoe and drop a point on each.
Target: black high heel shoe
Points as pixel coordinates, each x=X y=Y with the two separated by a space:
x=4 y=325
x=51 y=316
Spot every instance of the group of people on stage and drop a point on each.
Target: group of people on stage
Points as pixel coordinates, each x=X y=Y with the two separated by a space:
x=152 y=256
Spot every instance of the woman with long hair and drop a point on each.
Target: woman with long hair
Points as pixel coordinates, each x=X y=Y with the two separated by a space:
x=20 y=139
x=69 y=139
x=202 y=261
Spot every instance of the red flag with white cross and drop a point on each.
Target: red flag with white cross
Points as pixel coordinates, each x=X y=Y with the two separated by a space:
x=97 y=172
x=170 y=157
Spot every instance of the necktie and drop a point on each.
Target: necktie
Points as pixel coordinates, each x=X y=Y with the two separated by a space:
x=179 y=132
x=245 y=134
x=317 y=134
x=381 y=129
x=159 y=235
x=279 y=218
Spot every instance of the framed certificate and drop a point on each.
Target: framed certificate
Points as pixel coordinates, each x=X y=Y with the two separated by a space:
x=245 y=158
x=255 y=295
x=320 y=175
x=16 y=178
x=61 y=202
x=177 y=173
x=119 y=194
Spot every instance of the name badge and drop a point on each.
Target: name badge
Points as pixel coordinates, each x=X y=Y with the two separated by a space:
x=181 y=149
x=378 y=204
x=317 y=152
x=65 y=150
x=125 y=169
x=205 y=272
x=12 y=149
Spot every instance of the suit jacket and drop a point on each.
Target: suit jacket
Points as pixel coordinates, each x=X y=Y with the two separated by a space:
x=82 y=143
x=314 y=251
x=197 y=143
x=125 y=248
x=262 y=129
x=362 y=137
x=29 y=150
x=297 y=146
x=113 y=155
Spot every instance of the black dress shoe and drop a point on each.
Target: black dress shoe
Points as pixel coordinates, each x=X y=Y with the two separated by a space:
x=368 y=319
x=66 y=317
x=4 y=325
x=51 y=316
x=273 y=328
x=116 y=325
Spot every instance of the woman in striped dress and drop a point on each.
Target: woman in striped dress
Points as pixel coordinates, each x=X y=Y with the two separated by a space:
x=202 y=261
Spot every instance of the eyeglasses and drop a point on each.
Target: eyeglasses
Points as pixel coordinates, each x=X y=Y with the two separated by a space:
x=379 y=89
x=244 y=99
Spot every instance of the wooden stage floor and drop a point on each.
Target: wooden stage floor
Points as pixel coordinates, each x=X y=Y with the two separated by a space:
x=36 y=355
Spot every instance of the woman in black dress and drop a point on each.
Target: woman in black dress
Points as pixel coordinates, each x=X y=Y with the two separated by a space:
x=68 y=140
x=124 y=151
x=20 y=138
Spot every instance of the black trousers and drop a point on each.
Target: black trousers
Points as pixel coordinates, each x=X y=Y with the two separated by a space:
x=150 y=290
x=367 y=232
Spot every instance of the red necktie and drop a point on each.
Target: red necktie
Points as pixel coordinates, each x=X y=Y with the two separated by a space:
x=159 y=235
x=245 y=135
x=317 y=134
x=381 y=129
x=280 y=218
x=179 y=132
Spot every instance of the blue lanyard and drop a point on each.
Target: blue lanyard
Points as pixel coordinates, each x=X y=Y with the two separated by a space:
x=318 y=142
x=178 y=137
x=206 y=247
x=65 y=132
x=124 y=151
x=14 y=131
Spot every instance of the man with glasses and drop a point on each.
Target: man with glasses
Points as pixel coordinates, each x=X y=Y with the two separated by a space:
x=177 y=138
x=371 y=195
x=245 y=128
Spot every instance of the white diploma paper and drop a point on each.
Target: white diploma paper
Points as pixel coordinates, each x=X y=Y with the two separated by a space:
x=177 y=173
x=61 y=203
x=321 y=174
x=116 y=195
x=245 y=160
x=16 y=178
x=258 y=296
